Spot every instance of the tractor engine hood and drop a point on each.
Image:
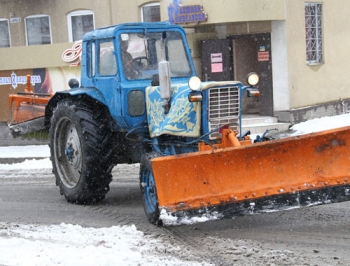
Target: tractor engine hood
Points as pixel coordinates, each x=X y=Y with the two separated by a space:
x=183 y=118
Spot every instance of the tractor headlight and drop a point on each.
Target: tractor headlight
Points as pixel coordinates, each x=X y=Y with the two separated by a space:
x=195 y=83
x=252 y=79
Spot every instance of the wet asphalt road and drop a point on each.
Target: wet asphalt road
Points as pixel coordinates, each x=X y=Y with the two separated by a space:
x=317 y=235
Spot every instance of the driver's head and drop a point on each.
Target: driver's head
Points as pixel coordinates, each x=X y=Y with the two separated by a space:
x=124 y=45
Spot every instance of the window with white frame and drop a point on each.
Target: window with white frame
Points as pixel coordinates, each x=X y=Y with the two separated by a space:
x=313 y=30
x=4 y=33
x=150 y=12
x=79 y=23
x=38 y=30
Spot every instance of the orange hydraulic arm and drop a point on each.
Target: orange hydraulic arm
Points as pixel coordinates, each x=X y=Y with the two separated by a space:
x=229 y=139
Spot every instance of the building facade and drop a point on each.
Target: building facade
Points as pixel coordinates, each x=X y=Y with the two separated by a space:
x=297 y=47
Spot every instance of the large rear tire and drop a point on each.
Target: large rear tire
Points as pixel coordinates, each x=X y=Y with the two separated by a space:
x=149 y=189
x=81 y=150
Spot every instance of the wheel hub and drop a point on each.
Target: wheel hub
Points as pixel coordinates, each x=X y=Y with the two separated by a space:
x=69 y=152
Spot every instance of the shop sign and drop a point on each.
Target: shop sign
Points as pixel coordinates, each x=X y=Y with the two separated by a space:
x=179 y=14
x=15 y=80
x=72 y=54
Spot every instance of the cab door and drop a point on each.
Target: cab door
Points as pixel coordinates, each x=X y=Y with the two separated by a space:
x=106 y=78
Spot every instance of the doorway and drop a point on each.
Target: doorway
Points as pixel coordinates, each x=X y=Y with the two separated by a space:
x=216 y=59
x=234 y=58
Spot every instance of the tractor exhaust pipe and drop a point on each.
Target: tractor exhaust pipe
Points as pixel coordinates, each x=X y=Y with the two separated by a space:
x=164 y=77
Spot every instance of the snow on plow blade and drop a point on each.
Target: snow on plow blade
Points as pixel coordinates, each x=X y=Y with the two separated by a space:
x=317 y=162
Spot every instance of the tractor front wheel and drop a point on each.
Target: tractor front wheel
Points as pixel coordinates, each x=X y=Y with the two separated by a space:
x=149 y=189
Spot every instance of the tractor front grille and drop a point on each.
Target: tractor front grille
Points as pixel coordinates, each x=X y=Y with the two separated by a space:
x=224 y=106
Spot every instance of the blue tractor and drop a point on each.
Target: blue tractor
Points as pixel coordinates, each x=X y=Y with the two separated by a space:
x=139 y=99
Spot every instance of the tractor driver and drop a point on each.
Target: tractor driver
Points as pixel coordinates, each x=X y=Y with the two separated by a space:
x=130 y=66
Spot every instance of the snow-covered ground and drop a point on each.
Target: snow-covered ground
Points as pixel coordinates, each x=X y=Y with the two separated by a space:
x=31 y=151
x=67 y=244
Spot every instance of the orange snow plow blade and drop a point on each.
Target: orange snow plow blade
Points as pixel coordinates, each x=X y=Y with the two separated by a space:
x=26 y=112
x=26 y=106
x=232 y=175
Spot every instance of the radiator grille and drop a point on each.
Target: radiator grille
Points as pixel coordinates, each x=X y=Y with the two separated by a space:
x=223 y=109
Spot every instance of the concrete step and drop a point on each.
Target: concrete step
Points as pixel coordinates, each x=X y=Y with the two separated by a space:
x=259 y=124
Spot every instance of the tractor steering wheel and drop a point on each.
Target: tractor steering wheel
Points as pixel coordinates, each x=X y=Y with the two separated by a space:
x=138 y=60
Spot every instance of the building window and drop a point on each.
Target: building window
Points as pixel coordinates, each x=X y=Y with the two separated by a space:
x=38 y=30
x=313 y=29
x=79 y=23
x=4 y=33
x=150 y=12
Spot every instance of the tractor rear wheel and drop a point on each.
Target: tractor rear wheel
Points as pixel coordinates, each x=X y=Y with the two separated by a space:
x=149 y=189
x=81 y=150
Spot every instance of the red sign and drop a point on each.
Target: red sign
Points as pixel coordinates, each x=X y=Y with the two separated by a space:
x=263 y=56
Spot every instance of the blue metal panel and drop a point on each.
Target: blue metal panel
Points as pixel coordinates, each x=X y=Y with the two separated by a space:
x=183 y=118
x=92 y=92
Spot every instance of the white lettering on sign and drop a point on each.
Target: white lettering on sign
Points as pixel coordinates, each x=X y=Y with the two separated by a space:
x=5 y=80
x=72 y=54
x=14 y=80
x=15 y=20
x=186 y=14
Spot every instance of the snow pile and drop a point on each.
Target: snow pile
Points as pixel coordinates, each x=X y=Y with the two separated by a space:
x=320 y=124
x=67 y=244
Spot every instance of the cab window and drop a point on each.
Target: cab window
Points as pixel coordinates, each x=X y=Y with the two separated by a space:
x=107 y=62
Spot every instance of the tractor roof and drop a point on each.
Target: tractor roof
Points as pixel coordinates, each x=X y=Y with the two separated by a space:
x=110 y=31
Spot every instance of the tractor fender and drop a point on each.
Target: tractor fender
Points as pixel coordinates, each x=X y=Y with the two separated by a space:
x=87 y=93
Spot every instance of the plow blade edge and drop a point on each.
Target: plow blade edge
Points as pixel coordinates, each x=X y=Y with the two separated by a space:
x=291 y=166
